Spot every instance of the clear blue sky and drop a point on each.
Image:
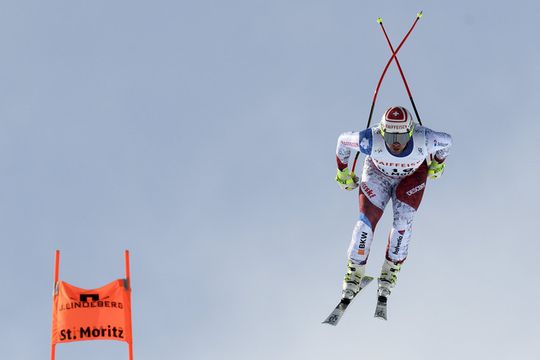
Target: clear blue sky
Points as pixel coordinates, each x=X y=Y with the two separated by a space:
x=201 y=136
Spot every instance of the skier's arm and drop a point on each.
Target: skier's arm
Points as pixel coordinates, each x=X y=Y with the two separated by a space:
x=358 y=141
x=346 y=142
x=439 y=144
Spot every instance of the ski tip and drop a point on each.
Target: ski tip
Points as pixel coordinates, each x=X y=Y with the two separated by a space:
x=420 y=13
x=379 y=20
x=334 y=317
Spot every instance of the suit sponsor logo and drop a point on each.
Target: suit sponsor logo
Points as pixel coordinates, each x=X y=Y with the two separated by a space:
x=416 y=189
x=391 y=127
x=369 y=193
x=398 y=165
x=438 y=143
x=349 y=143
x=362 y=243
x=398 y=245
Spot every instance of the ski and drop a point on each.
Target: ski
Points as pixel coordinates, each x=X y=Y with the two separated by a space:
x=380 y=310
x=339 y=310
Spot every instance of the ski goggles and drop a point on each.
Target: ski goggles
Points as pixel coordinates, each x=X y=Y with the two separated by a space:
x=401 y=138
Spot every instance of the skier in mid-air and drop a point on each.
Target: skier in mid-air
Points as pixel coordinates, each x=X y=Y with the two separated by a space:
x=401 y=155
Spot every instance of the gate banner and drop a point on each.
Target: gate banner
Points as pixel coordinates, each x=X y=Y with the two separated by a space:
x=99 y=314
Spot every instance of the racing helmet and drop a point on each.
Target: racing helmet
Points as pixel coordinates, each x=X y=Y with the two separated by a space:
x=397 y=125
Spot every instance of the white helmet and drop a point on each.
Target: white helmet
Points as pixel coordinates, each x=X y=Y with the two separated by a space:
x=397 y=125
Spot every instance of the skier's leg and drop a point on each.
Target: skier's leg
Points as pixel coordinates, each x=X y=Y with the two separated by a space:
x=374 y=195
x=405 y=200
x=360 y=245
x=362 y=235
x=398 y=246
x=375 y=192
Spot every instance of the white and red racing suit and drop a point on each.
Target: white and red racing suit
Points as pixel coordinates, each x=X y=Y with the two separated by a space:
x=386 y=176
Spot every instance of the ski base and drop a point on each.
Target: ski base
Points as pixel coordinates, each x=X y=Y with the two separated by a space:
x=339 y=310
x=380 y=310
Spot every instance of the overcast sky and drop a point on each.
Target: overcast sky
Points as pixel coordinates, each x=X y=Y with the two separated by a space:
x=201 y=136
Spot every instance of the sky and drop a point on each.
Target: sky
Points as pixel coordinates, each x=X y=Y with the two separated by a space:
x=201 y=136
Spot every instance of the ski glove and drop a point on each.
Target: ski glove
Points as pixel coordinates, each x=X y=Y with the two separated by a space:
x=435 y=170
x=346 y=180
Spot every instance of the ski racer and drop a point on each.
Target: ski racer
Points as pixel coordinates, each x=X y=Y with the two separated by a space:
x=401 y=155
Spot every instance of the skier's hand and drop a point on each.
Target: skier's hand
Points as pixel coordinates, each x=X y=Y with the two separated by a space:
x=435 y=169
x=346 y=180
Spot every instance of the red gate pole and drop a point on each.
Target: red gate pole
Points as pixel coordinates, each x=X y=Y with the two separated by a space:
x=56 y=271
x=128 y=280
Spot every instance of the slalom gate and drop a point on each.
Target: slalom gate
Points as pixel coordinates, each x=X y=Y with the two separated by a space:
x=96 y=314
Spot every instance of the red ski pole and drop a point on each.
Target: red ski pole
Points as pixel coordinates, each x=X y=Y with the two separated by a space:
x=379 y=20
x=394 y=53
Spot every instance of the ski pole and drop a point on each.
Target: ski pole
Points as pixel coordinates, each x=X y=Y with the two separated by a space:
x=379 y=20
x=394 y=53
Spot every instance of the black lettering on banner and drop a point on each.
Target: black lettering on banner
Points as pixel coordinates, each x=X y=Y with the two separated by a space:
x=88 y=332
x=85 y=297
x=85 y=332
x=66 y=334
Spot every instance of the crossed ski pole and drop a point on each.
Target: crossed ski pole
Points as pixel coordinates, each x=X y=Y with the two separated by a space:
x=379 y=20
x=394 y=56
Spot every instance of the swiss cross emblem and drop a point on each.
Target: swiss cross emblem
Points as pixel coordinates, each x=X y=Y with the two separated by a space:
x=364 y=144
x=396 y=113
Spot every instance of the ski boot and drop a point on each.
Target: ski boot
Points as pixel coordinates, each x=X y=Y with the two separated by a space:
x=352 y=280
x=387 y=280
